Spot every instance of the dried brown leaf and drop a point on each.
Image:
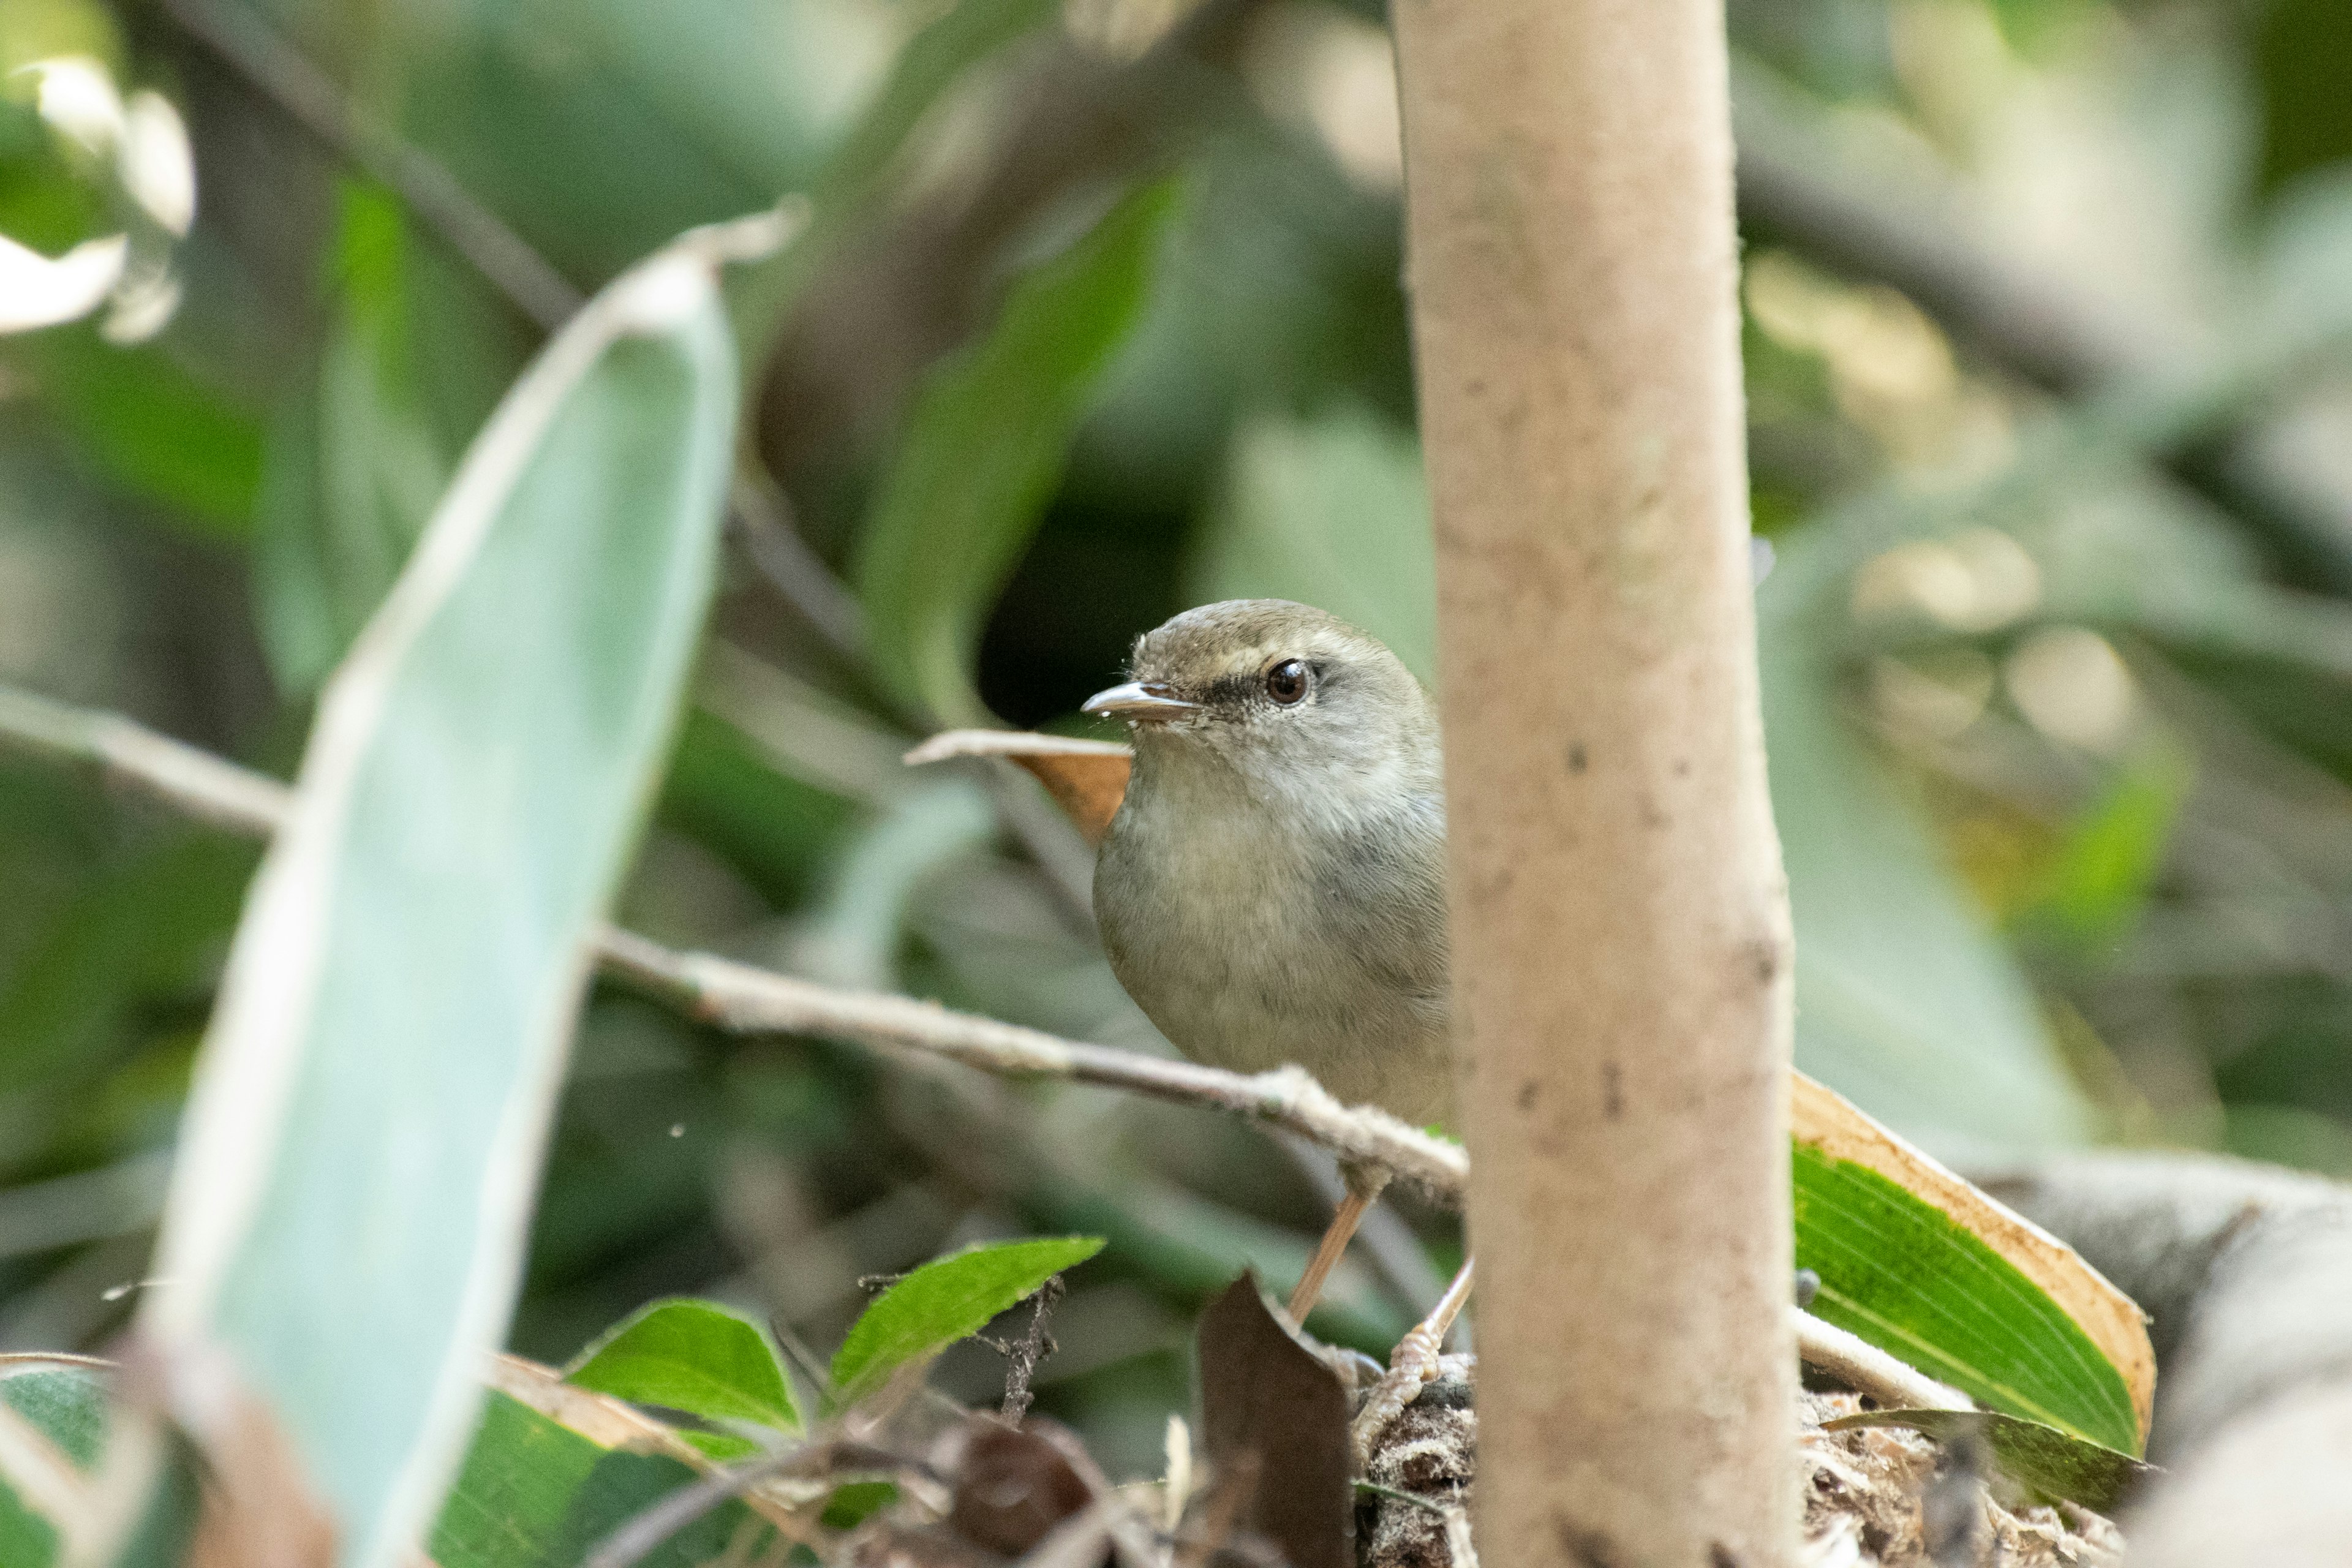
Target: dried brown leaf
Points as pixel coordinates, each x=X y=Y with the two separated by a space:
x=1017 y=1483
x=1269 y=1400
x=1087 y=778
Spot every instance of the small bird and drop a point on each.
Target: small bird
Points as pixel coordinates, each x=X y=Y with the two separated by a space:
x=1273 y=887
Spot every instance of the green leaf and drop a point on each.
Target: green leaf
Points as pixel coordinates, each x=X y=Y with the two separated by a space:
x=362 y=1142
x=2047 y=1463
x=65 y=1405
x=943 y=1302
x=695 y=1356
x=1901 y=1273
x=534 y=1493
x=723 y=1448
x=983 y=451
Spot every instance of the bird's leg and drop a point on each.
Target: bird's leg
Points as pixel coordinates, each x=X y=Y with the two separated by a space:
x=1364 y=1184
x=1413 y=1364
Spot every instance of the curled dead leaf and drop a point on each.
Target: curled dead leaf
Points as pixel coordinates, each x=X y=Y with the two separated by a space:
x=1087 y=778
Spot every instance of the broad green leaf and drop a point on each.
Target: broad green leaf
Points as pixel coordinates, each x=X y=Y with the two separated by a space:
x=2047 y=1463
x=533 y=1493
x=943 y=1302
x=1930 y=1270
x=1925 y=1020
x=723 y=1448
x=983 y=450
x=695 y=1356
x=362 y=1141
x=61 y=1400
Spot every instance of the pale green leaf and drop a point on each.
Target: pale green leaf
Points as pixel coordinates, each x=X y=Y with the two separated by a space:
x=362 y=1141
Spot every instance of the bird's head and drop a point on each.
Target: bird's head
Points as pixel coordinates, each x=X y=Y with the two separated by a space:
x=1283 y=693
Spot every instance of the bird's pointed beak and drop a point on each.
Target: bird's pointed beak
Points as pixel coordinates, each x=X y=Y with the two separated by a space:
x=1140 y=702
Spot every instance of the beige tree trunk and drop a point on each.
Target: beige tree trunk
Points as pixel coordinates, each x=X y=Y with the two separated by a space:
x=1621 y=937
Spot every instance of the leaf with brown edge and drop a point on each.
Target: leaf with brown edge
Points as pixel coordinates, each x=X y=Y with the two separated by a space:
x=1272 y=1407
x=1087 y=779
x=1830 y=1136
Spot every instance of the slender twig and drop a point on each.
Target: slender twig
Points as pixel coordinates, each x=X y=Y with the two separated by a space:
x=1414 y=1361
x=1867 y=1370
x=747 y=1000
x=1022 y=1355
x=190 y=781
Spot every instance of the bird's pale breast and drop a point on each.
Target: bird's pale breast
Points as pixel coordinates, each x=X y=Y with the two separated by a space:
x=1256 y=936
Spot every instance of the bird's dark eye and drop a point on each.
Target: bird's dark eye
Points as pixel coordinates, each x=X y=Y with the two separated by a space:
x=1286 y=681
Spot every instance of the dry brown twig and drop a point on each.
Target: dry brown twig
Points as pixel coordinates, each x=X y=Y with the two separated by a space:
x=748 y=1000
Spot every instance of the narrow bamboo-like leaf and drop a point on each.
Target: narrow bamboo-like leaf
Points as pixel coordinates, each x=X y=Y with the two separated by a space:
x=943 y=1302
x=983 y=450
x=1936 y=1274
x=2047 y=1463
x=361 y=1143
x=695 y=1356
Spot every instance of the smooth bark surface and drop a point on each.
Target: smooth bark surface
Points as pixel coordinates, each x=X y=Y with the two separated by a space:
x=1621 y=929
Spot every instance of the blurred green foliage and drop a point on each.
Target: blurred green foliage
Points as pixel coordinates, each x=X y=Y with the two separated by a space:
x=2061 y=743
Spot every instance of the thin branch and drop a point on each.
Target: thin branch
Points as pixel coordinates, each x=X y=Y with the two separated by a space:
x=1866 y=1369
x=190 y=781
x=746 y=1000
